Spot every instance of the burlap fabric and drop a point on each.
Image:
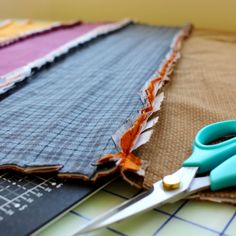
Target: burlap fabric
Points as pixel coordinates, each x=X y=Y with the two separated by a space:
x=202 y=91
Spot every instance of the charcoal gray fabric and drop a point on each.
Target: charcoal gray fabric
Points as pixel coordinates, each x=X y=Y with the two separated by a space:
x=67 y=113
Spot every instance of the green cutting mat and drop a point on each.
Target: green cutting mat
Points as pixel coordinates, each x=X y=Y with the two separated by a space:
x=182 y=218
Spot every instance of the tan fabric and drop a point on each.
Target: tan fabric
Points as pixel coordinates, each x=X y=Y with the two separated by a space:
x=202 y=91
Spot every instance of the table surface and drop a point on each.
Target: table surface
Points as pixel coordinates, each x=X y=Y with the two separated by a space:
x=182 y=218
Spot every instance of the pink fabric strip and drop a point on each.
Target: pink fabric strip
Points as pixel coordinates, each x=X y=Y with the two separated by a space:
x=33 y=48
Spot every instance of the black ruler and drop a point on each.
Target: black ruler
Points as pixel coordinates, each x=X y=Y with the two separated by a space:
x=28 y=202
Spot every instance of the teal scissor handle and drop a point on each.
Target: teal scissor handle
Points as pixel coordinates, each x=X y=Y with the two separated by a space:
x=224 y=175
x=206 y=156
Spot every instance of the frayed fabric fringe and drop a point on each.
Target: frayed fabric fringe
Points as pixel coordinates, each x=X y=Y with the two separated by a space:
x=131 y=167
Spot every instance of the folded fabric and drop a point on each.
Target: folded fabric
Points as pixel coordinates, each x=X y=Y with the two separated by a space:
x=63 y=119
x=202 y=91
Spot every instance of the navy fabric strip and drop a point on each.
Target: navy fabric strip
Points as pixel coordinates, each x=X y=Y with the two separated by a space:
x=67 y=113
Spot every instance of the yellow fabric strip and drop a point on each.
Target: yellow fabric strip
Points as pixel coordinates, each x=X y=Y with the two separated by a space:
x=15 y=29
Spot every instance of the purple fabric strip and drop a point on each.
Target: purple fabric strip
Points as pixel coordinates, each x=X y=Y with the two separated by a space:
x=28 y=50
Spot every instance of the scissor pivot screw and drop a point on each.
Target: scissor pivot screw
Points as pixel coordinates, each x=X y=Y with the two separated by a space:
x=171 y=182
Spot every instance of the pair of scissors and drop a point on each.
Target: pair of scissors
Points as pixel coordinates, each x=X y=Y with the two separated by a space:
x=208 y=156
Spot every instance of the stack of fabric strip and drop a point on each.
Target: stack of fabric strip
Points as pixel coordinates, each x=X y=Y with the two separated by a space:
x=12 y=30
x=79 y=98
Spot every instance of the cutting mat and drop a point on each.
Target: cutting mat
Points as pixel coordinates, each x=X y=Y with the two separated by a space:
x=29 y=202
x=182 y=218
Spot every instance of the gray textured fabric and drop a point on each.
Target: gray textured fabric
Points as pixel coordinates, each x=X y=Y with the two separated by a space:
x=67 y=114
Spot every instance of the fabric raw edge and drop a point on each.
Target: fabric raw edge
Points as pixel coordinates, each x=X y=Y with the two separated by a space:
x=132 y=168
x=213 y=199
x=84 y=177
x=18 y=75
x=30 y=170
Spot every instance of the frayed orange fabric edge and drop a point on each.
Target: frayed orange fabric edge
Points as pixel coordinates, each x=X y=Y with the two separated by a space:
x=128 y=161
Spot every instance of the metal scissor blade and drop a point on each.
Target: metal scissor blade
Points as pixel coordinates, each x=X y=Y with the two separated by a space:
x=143 y=202
x=198 y=184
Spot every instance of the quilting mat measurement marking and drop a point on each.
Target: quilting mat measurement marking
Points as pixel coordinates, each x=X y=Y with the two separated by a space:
x=18 y=192
x=181 y=218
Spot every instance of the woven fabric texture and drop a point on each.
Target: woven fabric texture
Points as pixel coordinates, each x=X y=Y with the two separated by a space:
x=31 y=49
x=202 y=91
x=67 y=113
